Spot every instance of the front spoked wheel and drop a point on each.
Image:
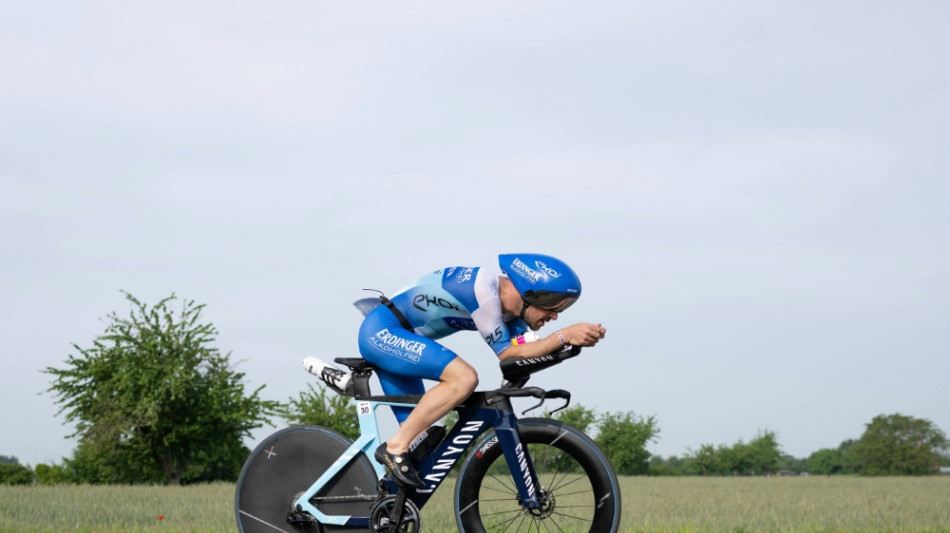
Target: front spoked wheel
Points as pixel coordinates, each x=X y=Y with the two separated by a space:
x=579 y=490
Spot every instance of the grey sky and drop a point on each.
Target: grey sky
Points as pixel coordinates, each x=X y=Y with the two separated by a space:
x=753 y=193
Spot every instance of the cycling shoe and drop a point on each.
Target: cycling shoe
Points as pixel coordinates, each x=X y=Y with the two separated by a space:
x=400 y=467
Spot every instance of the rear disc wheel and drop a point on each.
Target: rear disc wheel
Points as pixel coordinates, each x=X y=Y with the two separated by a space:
x=284 y=465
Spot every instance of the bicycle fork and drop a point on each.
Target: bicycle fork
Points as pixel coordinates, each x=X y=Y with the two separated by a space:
x=519 y=461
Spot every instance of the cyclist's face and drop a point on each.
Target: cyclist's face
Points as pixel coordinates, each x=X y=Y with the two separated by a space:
x=536 y=317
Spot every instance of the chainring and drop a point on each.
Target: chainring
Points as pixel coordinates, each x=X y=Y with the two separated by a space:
x=380 y=521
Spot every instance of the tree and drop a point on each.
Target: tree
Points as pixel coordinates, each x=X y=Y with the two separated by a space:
x=623 y=437
x=852 y=463
x=711 y=460
x=53 y=474
x=316 y=407
x=826 y=462
x=760 y=456
x=897 y=444
x=13 y=473
x=792 y=464
x=578 y=416
x=672 y=466
x=153 y=400
x=763 y=454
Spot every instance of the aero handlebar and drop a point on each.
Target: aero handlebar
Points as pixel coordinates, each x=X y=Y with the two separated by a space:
x=516 y=369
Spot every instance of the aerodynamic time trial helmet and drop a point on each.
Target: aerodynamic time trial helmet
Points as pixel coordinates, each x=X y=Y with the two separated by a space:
x=541 y=280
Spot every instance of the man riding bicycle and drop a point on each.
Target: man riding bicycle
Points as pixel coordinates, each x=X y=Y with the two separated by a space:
x=398 y=336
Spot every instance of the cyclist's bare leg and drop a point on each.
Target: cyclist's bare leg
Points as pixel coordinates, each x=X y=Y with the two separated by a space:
x=458 y=381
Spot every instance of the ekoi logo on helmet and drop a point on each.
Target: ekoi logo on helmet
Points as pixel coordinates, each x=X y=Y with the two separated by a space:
x=548 y=282
x=550 y=271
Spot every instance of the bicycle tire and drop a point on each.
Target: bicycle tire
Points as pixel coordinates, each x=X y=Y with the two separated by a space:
x=576 y=475
x=284 y=465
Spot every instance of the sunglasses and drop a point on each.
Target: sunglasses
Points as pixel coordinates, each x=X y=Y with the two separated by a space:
x=549 y=301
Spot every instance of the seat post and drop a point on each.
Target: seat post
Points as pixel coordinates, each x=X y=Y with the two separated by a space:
x=361 y=370
x=361 y=383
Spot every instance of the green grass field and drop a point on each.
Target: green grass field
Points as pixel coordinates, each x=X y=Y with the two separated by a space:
x=681 y=505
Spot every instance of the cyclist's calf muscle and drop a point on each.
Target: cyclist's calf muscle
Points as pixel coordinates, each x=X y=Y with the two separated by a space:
x=458 y=381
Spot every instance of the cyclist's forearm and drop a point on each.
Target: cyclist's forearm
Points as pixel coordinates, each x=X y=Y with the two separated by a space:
x=580 y=334
x=549 y=344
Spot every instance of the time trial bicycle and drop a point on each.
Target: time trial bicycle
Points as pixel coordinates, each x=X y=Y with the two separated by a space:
x=519 y=474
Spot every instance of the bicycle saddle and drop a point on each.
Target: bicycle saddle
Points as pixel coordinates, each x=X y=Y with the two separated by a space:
x=356 y=364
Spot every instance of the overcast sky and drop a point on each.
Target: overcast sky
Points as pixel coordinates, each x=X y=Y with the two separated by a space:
x=754 y=193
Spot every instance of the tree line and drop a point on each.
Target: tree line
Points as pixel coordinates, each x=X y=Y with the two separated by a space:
x=153 y=401
x=891 y=445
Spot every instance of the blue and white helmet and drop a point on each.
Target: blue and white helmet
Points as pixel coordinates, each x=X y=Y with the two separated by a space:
x=543 y=281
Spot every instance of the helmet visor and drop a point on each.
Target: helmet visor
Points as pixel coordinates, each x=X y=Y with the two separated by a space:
x=548 y=300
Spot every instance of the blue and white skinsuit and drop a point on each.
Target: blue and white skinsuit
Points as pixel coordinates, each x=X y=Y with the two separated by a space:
x=435 y=305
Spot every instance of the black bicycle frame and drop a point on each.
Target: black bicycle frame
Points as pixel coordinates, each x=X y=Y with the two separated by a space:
x=476 y=414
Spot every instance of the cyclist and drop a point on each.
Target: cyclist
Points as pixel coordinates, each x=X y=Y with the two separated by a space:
x=398 y=336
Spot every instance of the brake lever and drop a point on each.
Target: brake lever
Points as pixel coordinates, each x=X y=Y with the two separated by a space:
x=559 y=394
x=533 y=407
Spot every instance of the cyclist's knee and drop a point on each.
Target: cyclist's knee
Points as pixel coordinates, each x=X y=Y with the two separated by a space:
x=462 y=375
x=469 y=381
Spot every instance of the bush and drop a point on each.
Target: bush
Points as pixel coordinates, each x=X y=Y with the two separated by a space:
x=623 y=437
x=15 y=474
x=54 y=475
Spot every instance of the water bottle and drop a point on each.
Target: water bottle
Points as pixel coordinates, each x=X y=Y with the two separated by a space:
x=330 y=374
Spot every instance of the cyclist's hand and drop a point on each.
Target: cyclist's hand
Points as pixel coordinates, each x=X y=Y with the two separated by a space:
x=584 y=334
